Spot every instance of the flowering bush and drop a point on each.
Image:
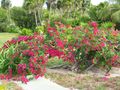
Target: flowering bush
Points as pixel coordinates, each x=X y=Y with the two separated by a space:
x=83 y=46
x=23 y=56
x=86 y=46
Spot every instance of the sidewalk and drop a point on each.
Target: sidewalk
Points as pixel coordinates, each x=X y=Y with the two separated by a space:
x=41 y=84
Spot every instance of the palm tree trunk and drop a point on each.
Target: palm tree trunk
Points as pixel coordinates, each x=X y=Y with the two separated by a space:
x=39 y=16
x=36 y=21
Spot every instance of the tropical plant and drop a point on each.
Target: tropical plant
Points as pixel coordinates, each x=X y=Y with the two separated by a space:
x=23 y=56
x=13 y=29
x=35 y=7
x=115 y=1
x=97 y=13
x=107 y=25
x=85 y=46
x=25 y=32
x=3 y=20
x=6 y=4
x=40 y=29
x=115 y=15
x=22 y=18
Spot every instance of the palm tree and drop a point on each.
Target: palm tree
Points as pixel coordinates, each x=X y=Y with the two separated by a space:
x=115 y=1
x=6 y=4
x=35 y=6
x=115 y=16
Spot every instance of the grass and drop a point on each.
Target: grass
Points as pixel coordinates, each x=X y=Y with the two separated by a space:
x=6 y=36
x=82 y=82
x=7 y=85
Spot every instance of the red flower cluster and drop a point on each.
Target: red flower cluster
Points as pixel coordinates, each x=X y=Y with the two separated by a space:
x=114 y=58
x=52 y=31
x=94 y=24
x=54 y=52
x=27 y=58
x=28 y=52
x=60 y=43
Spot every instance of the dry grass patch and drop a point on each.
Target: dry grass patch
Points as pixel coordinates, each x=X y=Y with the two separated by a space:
x=82 y=82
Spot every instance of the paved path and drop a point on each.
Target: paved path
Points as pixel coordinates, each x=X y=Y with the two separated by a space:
x=41 y=84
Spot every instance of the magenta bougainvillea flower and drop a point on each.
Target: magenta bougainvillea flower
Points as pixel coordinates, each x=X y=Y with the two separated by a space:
x=94 y=24
x=24 y=79
x=60 y=43
x=95 y=31
x=114 y=58
x=54 y=52
x=102 y=44
x=85 y=41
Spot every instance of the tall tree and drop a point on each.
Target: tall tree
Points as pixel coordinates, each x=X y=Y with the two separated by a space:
x=6 y=4
x=69 y=6
x=35 y=6
x=22 y=18
x=115 y=1
x=3 y=20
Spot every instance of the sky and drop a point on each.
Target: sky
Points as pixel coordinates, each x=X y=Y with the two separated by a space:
x=96 y=2
x=20 y=2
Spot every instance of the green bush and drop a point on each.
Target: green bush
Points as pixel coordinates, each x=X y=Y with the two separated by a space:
x=40 y=29
x=25 y=31
x=3 y=20
x=22 y=18
x=13 y=29
x=107 y=25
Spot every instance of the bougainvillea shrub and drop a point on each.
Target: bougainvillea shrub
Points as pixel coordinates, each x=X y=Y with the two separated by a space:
x=23 y=56
x=86 y=46
x=83 y=46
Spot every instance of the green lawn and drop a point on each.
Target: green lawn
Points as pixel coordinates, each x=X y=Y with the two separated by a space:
x=6 y=36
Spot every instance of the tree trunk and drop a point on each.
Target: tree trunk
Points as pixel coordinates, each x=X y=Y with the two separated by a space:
x=39 y=17
x=36 y=21
x=76 y=67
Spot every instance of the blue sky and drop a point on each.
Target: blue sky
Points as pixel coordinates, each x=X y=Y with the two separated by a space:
x=20 y=2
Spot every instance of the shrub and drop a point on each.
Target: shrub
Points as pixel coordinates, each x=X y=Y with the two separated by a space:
x=25 y=31
x=22 y=18
x=86 y=46
x=13 y=29
x=83 y=46
x=107 y=25
x=40 y=29
x=23 y=56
